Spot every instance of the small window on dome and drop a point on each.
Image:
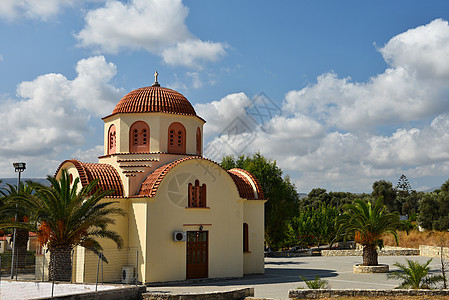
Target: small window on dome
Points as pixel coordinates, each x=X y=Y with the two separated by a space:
x=198 y=142
x=112 y=139
x=177 y=142
x=139 y=142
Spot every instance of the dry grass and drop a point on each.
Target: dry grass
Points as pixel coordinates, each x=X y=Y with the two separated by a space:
x=416 y=238
x=391 y=297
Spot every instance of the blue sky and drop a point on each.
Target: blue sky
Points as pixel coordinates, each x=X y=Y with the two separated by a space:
x=357 y=91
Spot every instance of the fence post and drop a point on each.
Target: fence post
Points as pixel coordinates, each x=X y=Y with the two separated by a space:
x=137 y=266
x=17 y=263
x=71 y=277
x=43 y=267
x=98 y=270
x=102 y=267
x=53 y=276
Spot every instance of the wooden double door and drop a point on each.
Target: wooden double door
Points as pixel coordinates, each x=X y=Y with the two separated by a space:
x=197 y=254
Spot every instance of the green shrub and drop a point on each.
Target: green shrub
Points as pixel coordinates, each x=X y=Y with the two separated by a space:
x=316 y=283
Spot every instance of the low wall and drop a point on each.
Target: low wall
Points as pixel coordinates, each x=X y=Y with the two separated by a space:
x=433 y=251
x=325 y=293
x=226 y=295
x=127 y=293
x=387 y=251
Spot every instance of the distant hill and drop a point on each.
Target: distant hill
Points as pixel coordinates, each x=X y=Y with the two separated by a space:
x=13 y=181
x=302 y=195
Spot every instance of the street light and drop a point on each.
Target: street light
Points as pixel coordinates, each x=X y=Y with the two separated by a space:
x=18 y=167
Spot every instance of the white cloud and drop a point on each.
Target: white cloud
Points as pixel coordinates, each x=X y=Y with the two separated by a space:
x=413 y=88
x=91 y=88
x=1 y=57
x=196 y=80
x=33 y=9
x=222 y=113
x=89 y=155
x=344 y=135
x=155 y=26
x=192 y=53
x=51 y=113
x=420 y=50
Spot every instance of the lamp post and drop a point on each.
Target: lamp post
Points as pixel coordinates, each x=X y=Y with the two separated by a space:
x=18 y=167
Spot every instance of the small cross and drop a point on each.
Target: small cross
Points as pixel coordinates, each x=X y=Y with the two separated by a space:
x=155 y=76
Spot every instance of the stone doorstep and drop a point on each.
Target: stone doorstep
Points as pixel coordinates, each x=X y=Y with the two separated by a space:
x=331 y=293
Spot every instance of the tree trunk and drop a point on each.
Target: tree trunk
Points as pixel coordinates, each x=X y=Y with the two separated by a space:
x=370 y=255
x=60 y=263
x=21 y=247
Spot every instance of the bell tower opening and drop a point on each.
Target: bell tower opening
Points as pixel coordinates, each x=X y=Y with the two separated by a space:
x=139 y=138
x=176 y=138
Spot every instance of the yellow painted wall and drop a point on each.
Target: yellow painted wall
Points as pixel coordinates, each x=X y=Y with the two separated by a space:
x=168 y=213
x=253 y=262
x=138 y=223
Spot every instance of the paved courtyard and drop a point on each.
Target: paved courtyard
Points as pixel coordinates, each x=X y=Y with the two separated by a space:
x=281 y=275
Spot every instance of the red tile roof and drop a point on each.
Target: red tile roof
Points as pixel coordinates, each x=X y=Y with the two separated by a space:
x=109 y=179
x=151 y=183
x=244 y=181
x=154 y=99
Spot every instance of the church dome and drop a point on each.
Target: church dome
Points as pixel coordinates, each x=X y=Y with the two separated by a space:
x=154 y=99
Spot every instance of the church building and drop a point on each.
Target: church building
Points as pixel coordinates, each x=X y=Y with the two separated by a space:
x=186 y=216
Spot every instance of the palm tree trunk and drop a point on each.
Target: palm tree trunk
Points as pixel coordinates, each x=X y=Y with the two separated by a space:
x=60 y=263
x=370 y=255
x=21 y=246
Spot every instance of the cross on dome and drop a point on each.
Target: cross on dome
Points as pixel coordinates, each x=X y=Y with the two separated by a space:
x=155 y=79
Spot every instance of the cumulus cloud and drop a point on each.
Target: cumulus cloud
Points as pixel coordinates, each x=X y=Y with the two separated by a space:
x=32 y=9
x=51 y=113
x=89 y=155
x=414 y=87
x=155 y=26
x=192 y=53
x=223 y=113
x=344 y=135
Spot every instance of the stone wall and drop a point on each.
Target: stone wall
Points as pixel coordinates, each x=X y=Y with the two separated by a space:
x=226 y=295
x=386 y=251
x=433 y=251
x=127 y=293
x=325 y=293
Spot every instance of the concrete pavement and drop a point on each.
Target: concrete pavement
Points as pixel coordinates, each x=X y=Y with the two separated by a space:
x=281 y=275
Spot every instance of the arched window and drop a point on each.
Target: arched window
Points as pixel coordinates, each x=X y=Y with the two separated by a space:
x=198 y=141
x=112 y=139
x=197 y=194
x=139 y=138
x=245 y=237
x=176 y=138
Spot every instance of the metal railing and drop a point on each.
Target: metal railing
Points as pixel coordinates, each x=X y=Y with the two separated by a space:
x=112 y=265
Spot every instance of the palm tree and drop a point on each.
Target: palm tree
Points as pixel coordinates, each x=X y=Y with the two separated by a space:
x=66 y=218
x=368 y=222
x=415 y=275
x=13 y=217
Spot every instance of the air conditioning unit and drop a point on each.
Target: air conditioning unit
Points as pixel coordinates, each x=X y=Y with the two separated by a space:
x=179 y=236
x=127 y=274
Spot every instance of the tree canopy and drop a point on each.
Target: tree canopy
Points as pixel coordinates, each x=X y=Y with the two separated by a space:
x=281 y=193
